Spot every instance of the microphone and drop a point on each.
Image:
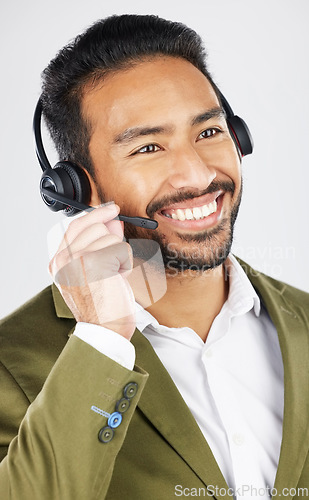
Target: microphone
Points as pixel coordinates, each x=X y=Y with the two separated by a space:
x=136 y=221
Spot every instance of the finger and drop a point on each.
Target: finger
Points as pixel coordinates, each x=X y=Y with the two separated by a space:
x=115 y=227
x=95 y=266
x=96 y=245
x=108 y=261
x=86 y=237
x=65 y=256
x=99 y=215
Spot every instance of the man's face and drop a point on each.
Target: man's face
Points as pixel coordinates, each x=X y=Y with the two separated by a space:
x=161 y=149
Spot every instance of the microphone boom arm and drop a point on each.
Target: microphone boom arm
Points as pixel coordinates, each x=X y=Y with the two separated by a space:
x=136 y=221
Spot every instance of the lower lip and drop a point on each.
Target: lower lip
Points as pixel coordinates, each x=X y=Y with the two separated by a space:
x=200 y=224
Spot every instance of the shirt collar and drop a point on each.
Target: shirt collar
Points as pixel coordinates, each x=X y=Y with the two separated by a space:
x=242 y=296
x=241 y=299
x=144 y=318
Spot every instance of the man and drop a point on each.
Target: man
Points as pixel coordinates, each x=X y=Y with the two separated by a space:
x=217 y=402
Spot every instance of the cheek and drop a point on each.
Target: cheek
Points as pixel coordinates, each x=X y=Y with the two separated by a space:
x=132 y=191
x=130 y=188
x=227 y=162
x=107 y=173
x=138 y=188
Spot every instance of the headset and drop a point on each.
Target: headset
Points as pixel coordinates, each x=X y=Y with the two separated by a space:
x=66 y=186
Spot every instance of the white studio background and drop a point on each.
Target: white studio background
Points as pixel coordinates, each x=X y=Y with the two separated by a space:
x=258 y=55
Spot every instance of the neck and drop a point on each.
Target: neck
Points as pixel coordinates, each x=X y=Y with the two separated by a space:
x=192 y=300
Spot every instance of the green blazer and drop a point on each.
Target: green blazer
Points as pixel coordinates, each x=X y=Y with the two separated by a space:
x=49 y=433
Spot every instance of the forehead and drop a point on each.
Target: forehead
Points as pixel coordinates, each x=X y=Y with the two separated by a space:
x=150 y=91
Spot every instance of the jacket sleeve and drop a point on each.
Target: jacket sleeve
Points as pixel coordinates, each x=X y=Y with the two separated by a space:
x=60 y=450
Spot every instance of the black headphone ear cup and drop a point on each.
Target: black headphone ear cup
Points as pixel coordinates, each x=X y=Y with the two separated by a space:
x=58 y=181
x=80 y=183
x=70 y=181
x=240 y=134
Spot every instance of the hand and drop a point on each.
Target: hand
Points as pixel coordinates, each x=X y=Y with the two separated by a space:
x=91 y=267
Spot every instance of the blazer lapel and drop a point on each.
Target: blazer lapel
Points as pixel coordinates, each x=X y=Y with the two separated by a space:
x=164 y=407
x=292 y=327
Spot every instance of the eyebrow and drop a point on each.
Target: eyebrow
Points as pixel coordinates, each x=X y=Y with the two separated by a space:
x=210 y=113
x=132 y=133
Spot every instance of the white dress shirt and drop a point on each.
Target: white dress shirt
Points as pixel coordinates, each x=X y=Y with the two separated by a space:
x=232 y=384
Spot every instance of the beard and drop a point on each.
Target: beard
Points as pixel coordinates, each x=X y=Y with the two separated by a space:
x=196 y=252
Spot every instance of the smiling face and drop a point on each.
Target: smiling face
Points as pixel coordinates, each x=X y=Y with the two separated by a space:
x=160 y=147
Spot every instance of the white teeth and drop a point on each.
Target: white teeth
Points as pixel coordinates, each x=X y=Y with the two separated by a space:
x=194 y=213
x=205 y=210
x=180 y=214
x=197 y=213
x=188 y=214
x=213 y=206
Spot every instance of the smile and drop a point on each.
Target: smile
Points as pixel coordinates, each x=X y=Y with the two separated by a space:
x=196 y=214
x=191 y=213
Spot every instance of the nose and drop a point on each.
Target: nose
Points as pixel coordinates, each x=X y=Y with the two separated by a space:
x=189 y=170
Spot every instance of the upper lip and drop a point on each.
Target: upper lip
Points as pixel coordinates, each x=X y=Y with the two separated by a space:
x=195 y=202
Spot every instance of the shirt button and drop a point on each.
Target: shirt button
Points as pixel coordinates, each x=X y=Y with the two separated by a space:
x=130 y=390
x=238 y=439
x=106 y=434
x=122 y=405
x=114 y=420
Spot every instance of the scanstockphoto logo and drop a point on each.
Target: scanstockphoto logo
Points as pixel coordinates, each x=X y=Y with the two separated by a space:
x=243 y=492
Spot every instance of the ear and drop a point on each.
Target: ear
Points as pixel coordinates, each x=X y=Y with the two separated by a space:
x=95 y=198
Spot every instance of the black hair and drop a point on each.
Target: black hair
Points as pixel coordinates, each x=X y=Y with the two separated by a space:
x=110 y=44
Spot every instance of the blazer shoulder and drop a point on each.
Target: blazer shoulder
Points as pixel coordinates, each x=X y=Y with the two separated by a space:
x=262 y=281
x=44 y=297
x=289 y=291
x=31 y=339
x=36 y=313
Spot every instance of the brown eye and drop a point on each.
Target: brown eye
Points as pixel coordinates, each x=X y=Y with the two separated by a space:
x=209 y=132
x=149 y=148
